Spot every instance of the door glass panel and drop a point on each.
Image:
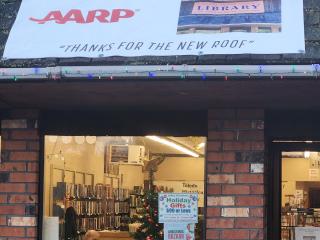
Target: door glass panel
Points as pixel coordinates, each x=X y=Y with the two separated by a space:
x=300 y=195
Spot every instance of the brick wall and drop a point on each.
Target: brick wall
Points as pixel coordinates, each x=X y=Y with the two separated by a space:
x=19 y=176
x=235 y=189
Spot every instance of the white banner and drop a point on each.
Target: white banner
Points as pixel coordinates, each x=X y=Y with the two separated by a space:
x=99 y=28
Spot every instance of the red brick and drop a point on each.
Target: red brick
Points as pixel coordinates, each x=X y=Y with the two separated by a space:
x=257 y=168
x=249 y=223
x=257 y=189
x=224 y=114
x=237 y=124
x=24 y=156
x=235 y=189
x=3 y=198
x=256 y=212
x=29 y=198
x=31 y=232
x=257 y=146
x=214 y=146
x=259 y=124
x=234 y=146
x=249 y=178
x=14 y=145
x=215 y=124
x=220 y=201
x=3 y=221
x=235 y=234
x=250 y=114
x=213 y=189
x=12 y=231
x=12 y=209
x=23 y=177
x=5 y=135
x=12 y=187
x=28 y=134
x=213 y=212
x=221 y=135
x=33 y=167
x=32 y=188
x=14 y=123
x=214 y=167
x=256 y=234
x=249 y=201
x=12 y=167
x=220 y=223
x=212 y=234
x=235 y=212
x=251 y=135
x=22 y=221
x=235 y=167
x=33 y=146
x=221 y=178
x=221 y=157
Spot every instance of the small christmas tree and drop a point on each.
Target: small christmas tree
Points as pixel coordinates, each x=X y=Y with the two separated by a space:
x=150 y=228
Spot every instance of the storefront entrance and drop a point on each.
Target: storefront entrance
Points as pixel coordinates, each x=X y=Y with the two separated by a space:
x=294 y=205
x=293 y=180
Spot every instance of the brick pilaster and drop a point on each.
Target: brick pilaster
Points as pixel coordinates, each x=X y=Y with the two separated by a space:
x=235 y=167
x=19 y=169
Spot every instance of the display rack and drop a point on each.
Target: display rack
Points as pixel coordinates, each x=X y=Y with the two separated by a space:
x=109 y=208
x=94 y=205
x=121 y=209
x=136 y=206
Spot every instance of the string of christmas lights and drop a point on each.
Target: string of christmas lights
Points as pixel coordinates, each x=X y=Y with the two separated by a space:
x=155 y=72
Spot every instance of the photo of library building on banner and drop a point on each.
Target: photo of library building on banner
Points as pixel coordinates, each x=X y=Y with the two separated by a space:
x=211 y=16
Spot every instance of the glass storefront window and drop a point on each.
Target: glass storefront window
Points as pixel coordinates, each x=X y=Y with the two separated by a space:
x=101 y=183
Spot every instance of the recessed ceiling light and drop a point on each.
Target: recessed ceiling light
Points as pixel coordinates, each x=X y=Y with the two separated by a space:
x=174 y=145
x=201 y=145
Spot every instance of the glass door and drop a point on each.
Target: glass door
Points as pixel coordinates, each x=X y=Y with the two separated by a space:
x=300 y=195
x=293 y=195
